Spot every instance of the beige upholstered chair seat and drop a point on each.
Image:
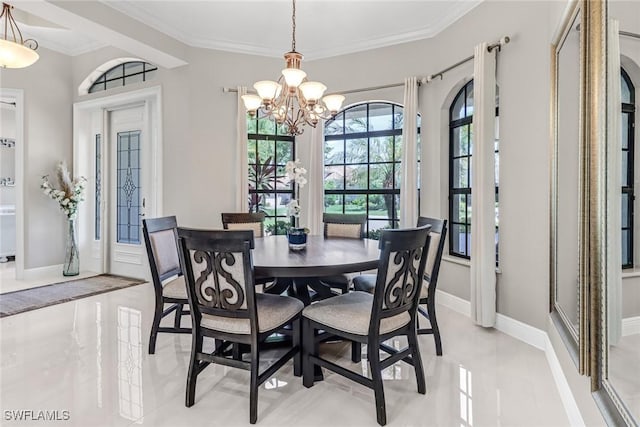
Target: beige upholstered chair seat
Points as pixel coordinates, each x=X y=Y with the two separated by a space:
x=175 y=288
x=273 y=311
x=351 y=313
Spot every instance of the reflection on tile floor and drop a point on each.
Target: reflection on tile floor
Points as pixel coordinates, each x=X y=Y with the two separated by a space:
x=89 y=357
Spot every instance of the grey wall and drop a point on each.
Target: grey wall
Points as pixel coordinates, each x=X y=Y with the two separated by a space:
x=48 y=95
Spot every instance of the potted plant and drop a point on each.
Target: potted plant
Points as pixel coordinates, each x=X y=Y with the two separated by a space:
x=297 y=235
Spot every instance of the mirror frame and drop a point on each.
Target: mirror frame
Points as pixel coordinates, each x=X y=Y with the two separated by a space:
x=611 y=405
x=577 y=342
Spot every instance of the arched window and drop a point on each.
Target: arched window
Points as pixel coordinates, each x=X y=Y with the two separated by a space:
x=124 y=74
x=628 y=119
x=362 y=154
x=460 y=172
x=269 y=150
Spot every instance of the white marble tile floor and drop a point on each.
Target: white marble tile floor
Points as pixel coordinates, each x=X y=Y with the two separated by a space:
x=89 y=357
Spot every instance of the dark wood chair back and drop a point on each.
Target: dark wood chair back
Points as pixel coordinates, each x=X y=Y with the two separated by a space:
x=244 y=221
x=438 y=237
x=344 y=225
x=219 y=273
x=161 y=240
x=403 y=257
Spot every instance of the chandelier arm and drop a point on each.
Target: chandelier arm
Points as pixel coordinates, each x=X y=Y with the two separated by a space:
x=4 y=13
x=14 y=28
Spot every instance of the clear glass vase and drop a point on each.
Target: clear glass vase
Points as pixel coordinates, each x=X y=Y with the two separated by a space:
x=71 y=257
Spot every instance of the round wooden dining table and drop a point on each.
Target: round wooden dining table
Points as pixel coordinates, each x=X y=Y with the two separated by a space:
x=322 y=257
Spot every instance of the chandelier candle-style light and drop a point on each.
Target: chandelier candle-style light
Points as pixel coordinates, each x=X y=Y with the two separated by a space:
x=15 y=52
x=293 y=101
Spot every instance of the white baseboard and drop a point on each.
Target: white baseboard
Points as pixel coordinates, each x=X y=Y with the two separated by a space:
x=521 y=331
x=569 y=403
x=536 y=338
x=631 y=326
x=453 y=302
x=42 y=272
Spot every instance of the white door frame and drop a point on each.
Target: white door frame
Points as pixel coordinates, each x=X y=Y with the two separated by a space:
x=93 y=254
x=18 y=96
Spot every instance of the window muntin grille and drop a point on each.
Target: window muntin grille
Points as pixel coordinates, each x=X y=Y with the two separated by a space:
x=269 y=150
x=362 y=155
x=628 y=167
x=124 y=74
x=461 y=172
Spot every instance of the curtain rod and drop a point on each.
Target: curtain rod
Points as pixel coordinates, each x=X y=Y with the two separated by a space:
x=497 y=45
x=8 y=103
x=628 y=34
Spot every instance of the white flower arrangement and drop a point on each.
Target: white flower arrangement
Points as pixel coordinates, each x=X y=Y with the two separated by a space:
x=295 y=172
x=71 y=192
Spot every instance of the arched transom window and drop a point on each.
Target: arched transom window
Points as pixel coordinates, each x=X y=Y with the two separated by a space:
x=124 y=74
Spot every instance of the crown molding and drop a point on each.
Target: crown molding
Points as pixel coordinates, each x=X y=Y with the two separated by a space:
x=142 y=14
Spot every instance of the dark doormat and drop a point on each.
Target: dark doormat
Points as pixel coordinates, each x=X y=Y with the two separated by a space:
x=30 y=299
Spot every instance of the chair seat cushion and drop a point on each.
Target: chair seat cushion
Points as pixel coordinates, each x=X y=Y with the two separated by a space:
x=273 y=311
x=367 y=283
x=351 y=313
x=176 y=288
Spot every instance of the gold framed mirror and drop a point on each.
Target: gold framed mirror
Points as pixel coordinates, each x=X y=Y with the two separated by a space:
x=568 y=185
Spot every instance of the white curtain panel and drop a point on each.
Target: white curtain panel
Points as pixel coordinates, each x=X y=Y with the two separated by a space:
x=483 y=247
x=242 y=179
x=409 y=179
x=313 y=206
x=614 y=185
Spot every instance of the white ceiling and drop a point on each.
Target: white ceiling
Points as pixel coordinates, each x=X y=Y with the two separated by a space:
x=263 y=27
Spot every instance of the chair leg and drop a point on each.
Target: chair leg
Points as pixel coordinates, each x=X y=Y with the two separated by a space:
x=296 y=330
x=157 y=317
x=373 y=354
x=412 y=338
x=356 y=352
x=178 y=318
x=253 y=391
x=431 y=310
x=236 y=351
x=192 y=375
x=308 y=347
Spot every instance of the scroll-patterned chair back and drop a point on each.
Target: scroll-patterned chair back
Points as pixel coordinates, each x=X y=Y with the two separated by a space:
x=219 y=272
x=403 y=256
x=244 y=221
x=344 y=225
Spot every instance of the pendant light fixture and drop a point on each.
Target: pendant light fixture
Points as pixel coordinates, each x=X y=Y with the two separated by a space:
x=15 y=52
x=292 y=100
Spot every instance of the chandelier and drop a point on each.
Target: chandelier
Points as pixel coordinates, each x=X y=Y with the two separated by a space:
x=292 y=100
x=14 y=51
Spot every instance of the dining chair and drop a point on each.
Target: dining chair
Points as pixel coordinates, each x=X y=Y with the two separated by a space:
x=244 y=221
x=350 y=226
x=161 y=239
x=372 y=319
x=224 y=306
x=367 y=282
x=248 y=221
